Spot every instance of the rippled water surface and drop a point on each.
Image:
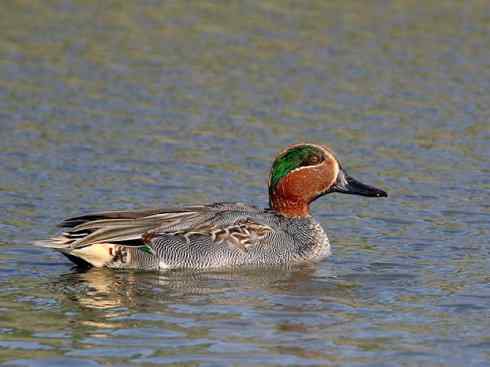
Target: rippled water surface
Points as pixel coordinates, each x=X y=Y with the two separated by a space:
x=107 y=105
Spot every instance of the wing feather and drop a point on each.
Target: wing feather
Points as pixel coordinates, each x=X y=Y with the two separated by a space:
x=222 y=222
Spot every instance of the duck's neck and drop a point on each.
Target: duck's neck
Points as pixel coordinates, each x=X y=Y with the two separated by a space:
x=289 y=207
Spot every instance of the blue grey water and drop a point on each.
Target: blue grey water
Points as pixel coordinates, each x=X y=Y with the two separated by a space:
x=113 y=105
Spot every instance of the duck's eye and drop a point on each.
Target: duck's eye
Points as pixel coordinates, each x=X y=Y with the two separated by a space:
x=312 y=160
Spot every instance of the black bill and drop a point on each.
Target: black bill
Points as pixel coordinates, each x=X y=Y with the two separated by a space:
x=348 y=185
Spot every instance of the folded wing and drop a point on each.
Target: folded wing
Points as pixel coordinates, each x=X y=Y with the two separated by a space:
x=222 y=222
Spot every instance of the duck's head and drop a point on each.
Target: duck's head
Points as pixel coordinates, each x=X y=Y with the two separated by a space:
x=303 y=173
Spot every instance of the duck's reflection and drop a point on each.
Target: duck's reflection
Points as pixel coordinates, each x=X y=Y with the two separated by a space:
x=98 y=288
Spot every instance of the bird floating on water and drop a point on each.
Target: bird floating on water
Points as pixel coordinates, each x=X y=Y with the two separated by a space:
x=223 y=234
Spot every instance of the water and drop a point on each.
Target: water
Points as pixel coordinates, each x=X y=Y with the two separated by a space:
x=115 y=105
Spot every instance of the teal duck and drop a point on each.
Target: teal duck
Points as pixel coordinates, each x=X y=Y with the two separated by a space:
x=221 y=234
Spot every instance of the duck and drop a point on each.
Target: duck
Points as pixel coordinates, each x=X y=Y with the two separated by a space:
x=223 y=234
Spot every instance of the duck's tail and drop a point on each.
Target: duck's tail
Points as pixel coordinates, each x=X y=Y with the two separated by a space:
x=97 y=255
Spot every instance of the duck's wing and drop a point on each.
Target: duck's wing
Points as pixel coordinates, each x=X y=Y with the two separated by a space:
x=236 y=229
x=229 y=222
